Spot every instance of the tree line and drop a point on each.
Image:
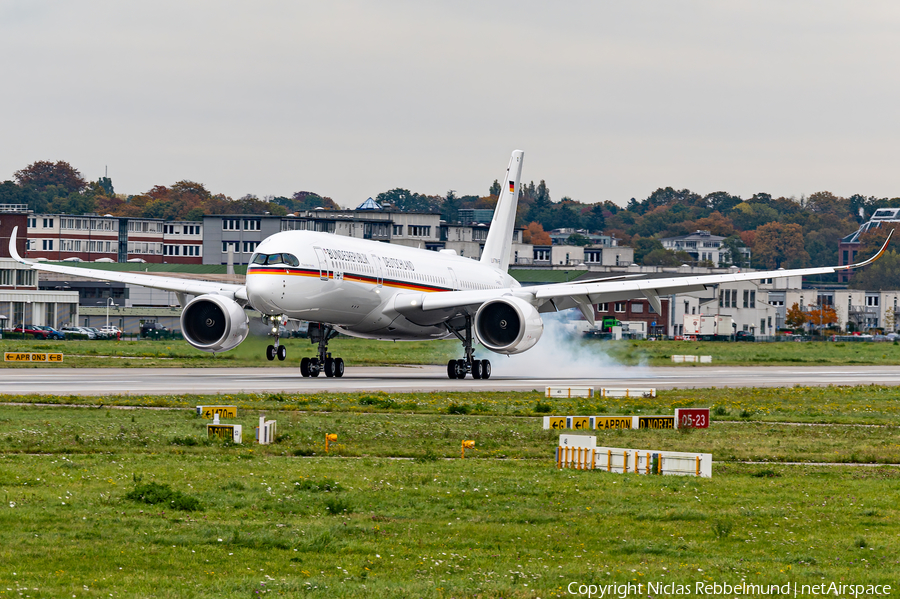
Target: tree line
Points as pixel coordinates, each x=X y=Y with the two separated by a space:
x=780 y=232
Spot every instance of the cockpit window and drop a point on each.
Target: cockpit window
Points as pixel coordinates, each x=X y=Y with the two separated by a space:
x=274 y=259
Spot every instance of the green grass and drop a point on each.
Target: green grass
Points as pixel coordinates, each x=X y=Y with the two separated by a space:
x=445 y=528
x=868 y=404
x=363 y=352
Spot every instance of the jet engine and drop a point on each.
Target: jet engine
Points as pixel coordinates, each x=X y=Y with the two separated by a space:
x=508 y=325
x=214 y=323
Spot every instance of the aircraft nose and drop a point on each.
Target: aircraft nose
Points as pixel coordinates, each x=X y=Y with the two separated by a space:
x=257 y=294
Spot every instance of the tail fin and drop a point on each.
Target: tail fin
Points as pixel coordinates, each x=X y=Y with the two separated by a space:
x=499 y=239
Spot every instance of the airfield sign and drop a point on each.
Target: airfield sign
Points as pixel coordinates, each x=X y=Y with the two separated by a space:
x=14 y=356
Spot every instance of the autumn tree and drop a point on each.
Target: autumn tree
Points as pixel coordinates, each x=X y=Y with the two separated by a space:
x=43 y=174
x=795 y=317
x=822 y=316
x=535 y=235
x=779 y=245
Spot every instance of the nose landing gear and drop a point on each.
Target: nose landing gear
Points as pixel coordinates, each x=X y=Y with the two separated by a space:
x=332 y=367
x=277 y=350
x=458 y=369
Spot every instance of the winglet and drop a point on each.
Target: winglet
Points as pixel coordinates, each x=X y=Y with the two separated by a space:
x=873 y=258
x=13 y=252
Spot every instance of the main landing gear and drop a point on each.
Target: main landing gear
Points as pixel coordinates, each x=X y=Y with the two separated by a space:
x=332 y=367
x=457 y=369
x=275 y=350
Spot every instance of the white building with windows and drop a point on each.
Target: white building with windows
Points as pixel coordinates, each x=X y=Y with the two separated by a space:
x=704 y=247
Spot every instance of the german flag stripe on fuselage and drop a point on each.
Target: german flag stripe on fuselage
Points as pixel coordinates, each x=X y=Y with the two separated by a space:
x=357 y=278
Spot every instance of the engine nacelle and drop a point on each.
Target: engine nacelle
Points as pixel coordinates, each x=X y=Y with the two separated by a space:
x=214 y=323
x=508 y=325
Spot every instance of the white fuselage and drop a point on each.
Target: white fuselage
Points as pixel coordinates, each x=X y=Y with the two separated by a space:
x=353 y=283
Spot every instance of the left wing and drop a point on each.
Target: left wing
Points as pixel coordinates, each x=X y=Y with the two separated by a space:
x=560 y=296
x=180 y=286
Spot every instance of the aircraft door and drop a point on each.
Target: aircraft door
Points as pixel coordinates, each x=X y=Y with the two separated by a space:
x=379 y=271
x=324 y=266
x=454 y=282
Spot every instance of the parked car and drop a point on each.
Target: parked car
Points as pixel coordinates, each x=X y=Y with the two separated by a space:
x=112 y=331
x=154 y=330
x=78 y=333
x=30 y=329
x=51 y=332
x=744 y=336
x=98 y=334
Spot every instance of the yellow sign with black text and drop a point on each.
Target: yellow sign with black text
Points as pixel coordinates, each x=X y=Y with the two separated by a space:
x=557 y=423
x=222 y=431
x=656 y=422
x=580 y=422
x=209 y=412
x=612 y=422
x=12 y=356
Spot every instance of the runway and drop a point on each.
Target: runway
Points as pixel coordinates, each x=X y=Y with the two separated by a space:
x=396 y=379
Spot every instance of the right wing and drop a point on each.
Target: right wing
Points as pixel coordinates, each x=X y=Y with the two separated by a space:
x=180 y=286
x=561 y=296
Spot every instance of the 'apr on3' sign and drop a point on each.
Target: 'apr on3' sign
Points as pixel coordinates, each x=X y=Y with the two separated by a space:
x=12 y=356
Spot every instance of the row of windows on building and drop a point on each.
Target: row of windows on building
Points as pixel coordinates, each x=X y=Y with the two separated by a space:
x=248 y=246
x=181 y=250
x=322 y=226
x=144 y=226
x=181 y=229
x=622 y=307
x=145 y=247
x=76 y=224
x=728 y=298
x=237 y=224
x=73 y=245
x=51 y=315
x=18 y=277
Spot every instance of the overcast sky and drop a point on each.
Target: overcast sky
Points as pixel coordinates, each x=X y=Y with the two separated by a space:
x=609 y=100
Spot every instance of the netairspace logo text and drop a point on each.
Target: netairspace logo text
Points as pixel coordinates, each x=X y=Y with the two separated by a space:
x=718 y=589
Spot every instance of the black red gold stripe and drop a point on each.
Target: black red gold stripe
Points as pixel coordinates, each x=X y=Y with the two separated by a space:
x=358 y=278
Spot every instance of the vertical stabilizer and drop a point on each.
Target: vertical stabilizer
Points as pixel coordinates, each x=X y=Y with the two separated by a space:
x=499 y=239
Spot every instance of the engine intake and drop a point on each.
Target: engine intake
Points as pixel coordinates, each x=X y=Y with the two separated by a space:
x=214 y=323
x=508 y=325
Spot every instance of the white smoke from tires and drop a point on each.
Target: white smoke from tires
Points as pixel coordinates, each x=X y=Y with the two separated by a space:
x=562 y=352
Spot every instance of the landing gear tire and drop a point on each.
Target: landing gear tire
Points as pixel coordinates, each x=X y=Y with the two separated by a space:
x=476 y=369
x=460 y=369
x=485 y=369
x=314 y=367
x=339 y=367
x=329 y=367
x=270 y=353
x=304 y=367
x=451 y=369
x=282 y=353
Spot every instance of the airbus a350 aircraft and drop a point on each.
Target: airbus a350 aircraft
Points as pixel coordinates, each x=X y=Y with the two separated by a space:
x=382 y=291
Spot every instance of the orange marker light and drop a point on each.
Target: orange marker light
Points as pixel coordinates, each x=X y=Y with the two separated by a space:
x=330 y=437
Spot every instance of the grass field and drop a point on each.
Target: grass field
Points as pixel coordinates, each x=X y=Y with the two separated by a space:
x=360 y=521
x=361 y=352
